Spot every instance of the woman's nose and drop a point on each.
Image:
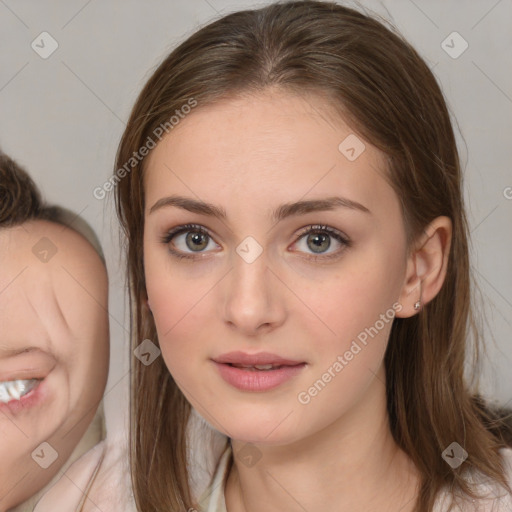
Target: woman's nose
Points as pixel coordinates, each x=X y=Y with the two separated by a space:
x=253 y=299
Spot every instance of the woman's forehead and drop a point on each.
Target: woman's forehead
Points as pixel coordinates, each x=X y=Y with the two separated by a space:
x=257 y=154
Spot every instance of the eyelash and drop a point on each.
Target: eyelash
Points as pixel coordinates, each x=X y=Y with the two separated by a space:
x=315 y=229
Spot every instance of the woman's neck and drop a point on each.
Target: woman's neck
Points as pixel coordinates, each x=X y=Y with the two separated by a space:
x=352 y=465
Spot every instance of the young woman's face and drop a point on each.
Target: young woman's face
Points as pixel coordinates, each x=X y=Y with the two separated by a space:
x=271 y=332
x=54 y=350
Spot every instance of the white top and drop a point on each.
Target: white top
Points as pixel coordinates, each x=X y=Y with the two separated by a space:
x=213 y=500
x=95 y=478
x=91 y=442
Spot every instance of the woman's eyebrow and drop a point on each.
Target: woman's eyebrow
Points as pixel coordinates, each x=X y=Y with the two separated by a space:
x=280 y=213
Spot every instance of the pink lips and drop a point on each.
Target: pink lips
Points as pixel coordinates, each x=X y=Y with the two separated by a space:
x=231 y=368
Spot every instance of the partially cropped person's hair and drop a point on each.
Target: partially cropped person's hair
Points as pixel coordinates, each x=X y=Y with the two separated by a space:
x=379 y=84
x=21 y=201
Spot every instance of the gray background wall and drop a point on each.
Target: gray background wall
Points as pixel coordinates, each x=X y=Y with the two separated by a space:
x=62 y=117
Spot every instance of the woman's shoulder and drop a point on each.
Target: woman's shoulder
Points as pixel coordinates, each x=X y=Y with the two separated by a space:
x=506 y=453
x=212 y=499
x=495 y=498
x=67 y=492
x=111 y=490
x=493 y=489
x=99 y=480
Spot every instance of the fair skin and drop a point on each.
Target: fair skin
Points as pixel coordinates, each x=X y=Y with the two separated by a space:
x=55 y=328
x=250 y=155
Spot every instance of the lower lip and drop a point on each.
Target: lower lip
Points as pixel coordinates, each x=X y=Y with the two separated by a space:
x=33 y=398
x=257 y=380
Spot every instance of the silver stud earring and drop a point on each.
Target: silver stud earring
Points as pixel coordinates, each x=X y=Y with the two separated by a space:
x=417 y=304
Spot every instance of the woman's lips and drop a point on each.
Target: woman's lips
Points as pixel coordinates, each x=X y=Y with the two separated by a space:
x=256 y=372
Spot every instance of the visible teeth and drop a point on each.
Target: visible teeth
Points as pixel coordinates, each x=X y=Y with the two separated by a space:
x=264 y=366
x=15 y=389
x=255 y=367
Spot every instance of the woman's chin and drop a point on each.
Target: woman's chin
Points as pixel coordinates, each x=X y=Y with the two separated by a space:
x=259 y=434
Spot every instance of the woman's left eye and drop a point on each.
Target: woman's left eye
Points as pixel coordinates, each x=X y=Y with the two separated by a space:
x=318 y=240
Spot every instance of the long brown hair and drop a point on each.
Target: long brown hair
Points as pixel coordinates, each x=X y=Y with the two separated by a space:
x=380 y=84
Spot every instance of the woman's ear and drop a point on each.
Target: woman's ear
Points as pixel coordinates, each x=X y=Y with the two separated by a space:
x=426 y=267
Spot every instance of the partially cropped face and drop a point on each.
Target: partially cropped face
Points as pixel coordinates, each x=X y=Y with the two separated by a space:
x=53 y=351
x=274 y=319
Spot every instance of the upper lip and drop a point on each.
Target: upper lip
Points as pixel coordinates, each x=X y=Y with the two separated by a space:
x=259 y=358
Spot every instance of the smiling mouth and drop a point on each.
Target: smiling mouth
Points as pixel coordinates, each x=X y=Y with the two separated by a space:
x=15 y=390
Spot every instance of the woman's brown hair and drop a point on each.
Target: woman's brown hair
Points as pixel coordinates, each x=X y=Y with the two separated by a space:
x=374 y=79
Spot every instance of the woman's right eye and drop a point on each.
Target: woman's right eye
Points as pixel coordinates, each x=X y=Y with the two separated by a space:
x=184 y=241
